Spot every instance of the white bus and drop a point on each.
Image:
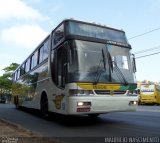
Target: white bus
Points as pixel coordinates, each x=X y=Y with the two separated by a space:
x=80 y=68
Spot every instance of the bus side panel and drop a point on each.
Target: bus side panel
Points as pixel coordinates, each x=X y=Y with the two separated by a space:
x=31 y=86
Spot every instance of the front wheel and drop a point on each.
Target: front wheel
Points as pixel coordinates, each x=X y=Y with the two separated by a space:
x=44 y=107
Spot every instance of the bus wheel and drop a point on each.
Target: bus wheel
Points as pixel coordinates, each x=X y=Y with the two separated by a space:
x=16 y=102
x=44 y=107
x=93 y=115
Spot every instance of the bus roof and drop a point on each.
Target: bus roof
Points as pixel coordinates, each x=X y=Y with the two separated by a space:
x=64 y=21
x=91 y=23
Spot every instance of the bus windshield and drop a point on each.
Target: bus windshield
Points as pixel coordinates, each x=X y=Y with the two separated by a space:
x=87 y=63
x=147 y=89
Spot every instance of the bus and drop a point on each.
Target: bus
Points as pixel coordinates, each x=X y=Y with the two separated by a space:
x=149 y=94
x=80 y=68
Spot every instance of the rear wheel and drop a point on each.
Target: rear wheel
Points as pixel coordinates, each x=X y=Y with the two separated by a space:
x=93 y=115
x=44 y=107
x=16 y=102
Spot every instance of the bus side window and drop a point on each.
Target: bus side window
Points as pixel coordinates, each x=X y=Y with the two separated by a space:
x=27 y=67
x=18 y=73
x=61 y=64
x=41 y=54
x=15 y=76
x=34 y=59
x=53 y=65
x=43 y=51
x=58 y=34
x=22 y=71
x=46 y=50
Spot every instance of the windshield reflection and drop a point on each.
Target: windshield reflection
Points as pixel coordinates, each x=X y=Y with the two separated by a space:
x=89 y=63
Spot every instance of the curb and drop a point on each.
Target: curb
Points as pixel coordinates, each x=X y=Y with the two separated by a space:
x=34 y=134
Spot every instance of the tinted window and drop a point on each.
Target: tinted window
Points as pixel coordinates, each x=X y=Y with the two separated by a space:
x=34 y=59
x=58 y=34
x=43 y=52
x=22 y=69
x=96 y=31
x=18 y=74
x=15 y=76
x=27 y=68
x=61 y=66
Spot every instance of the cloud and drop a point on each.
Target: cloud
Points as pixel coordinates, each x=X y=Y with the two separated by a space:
x=17 y=9
x=24 y=36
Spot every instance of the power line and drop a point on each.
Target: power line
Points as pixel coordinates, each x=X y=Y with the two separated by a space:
x=147 y=55
x=144 y=33
x=146 y=50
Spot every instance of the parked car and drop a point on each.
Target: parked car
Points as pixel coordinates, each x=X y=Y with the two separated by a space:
x=2 y=99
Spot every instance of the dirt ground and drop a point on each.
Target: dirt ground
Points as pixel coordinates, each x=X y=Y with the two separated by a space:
x=11 y=133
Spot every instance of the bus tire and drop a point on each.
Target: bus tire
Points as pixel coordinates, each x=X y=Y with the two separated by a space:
x=93 y=115
x=16 y=101
x=44 y=106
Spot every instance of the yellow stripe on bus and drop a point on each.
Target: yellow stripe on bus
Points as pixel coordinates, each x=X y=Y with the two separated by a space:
x=90 y=86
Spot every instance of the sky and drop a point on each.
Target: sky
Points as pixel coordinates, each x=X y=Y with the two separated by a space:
x=25 y=23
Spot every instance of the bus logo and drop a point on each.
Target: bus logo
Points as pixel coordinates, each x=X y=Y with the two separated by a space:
x=58 y=99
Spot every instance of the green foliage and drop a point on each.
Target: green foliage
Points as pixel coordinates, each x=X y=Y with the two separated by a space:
x=11 y=67
x=5 y=83
x=6 y=78
x=148 y=82
x=9 y=70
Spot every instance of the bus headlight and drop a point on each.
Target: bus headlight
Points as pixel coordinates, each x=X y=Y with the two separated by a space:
x=133 y=103
x=79 y=92
x=81 y=103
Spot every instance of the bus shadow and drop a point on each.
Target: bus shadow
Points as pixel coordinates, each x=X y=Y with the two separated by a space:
x=81 y=120
x=68 y=120
x=72 y=120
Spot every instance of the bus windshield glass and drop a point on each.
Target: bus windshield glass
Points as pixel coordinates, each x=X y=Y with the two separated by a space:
x=95 y=31
x=87 y=63
x=145 y=89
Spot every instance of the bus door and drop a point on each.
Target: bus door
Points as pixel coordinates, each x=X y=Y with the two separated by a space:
x=61 y=66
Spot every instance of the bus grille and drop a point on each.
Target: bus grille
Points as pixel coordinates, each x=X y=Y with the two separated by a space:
x=109 y=92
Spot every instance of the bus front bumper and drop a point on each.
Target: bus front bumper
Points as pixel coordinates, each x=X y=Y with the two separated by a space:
x=99 y=105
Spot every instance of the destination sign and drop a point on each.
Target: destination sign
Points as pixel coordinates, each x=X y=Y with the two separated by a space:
x=118 y=43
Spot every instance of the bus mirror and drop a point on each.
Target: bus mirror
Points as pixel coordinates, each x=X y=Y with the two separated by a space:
x=65 y=69
x=134 y=63
x=68 y=56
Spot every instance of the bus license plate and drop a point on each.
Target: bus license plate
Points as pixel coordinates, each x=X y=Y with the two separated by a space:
x=83 y=109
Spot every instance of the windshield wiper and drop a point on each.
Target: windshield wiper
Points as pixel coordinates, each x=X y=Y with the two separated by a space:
x=110 y=64
x=104 y=60
x=99 y=72
x=119 y=73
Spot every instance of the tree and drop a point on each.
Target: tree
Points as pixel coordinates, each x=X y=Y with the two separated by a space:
x=6 y=78
x=9 y=70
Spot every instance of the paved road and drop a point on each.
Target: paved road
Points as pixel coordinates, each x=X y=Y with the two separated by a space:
x=143 y=123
